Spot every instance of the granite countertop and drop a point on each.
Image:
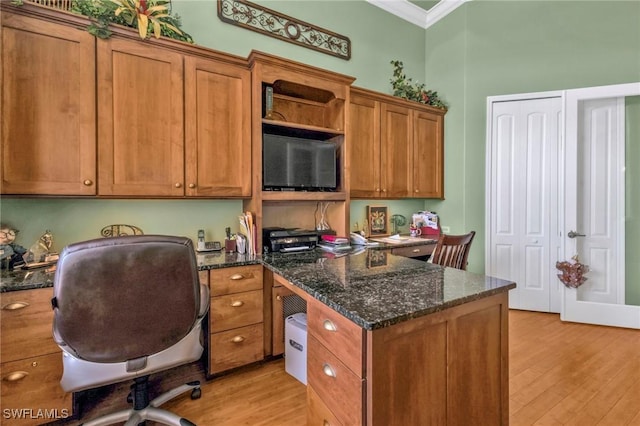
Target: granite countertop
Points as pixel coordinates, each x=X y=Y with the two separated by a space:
x=376 y=289
x=20 y=279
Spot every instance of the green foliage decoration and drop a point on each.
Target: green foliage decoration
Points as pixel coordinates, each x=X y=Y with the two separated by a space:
x=128 y=13
x=404 y=87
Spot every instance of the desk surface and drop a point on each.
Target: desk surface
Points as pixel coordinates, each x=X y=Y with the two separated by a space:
x=375 y=289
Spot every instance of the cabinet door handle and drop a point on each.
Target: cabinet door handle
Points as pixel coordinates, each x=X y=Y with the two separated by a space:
x=326 y=423
x=236 y=277
x=14 y=306
x=15 y=376
x=238 y=339
x=87 y=182
x=329 y=325
x=178 y=185
x=192 y=185
x=278 y=297
x=328 y=370
x=237 y=303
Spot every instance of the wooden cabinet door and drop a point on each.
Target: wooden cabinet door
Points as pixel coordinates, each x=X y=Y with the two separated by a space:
x=217 y=129
x=428 y=156
x=396 y=162
x=364 y=143
x=141 y=126
x=48 y=108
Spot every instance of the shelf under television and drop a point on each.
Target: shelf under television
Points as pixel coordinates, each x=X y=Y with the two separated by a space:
x=303 y=196
x=302 y=127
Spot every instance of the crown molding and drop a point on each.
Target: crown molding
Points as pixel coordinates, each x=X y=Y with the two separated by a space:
x=416 y=15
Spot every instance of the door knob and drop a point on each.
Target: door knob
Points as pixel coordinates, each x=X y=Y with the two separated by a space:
x=573 y=234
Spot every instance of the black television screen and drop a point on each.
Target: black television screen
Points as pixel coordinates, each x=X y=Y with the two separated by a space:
x=290 y=163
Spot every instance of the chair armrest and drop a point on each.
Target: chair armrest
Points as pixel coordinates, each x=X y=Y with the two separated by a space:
x=204 y=299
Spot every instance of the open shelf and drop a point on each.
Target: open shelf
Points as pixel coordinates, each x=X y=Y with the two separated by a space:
x=283 y=126
x=303 y=196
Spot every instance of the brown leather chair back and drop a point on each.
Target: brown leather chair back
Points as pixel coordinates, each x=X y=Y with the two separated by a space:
x=124 y=298
x=453 y=250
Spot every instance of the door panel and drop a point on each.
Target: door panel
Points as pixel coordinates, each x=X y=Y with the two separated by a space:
x=524 y=201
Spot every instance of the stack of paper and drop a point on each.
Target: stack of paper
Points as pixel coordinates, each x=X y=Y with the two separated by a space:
x=248 y=229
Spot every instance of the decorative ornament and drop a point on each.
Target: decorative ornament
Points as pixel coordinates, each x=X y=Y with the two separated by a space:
x=572 y=273
x=275 y=24
x=404 y=87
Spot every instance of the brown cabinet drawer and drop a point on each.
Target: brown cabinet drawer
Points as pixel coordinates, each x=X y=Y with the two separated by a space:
x=414 y=251
x=235 y=280
x=234 y=348
x=334 y=383
x=26 y=319
x=337 y=333
x=30 y=389
x=318 y=414
x=235 y=310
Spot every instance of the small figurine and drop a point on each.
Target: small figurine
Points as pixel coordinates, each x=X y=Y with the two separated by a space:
x=11 y=253
x=41 y=248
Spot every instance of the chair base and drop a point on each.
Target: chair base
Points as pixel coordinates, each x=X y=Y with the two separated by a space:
x=144 y=410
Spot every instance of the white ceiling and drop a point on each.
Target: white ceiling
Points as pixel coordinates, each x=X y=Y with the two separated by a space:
x=422 y=13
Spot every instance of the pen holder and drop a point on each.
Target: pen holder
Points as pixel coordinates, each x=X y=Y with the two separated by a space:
x=229 y=246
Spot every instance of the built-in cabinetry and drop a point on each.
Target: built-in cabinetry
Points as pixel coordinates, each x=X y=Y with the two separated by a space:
x=396 y=147
x=236 y=317
x=48 y=108
x=307 y=102
x=442 y=368
x=31 y=365
x=172 y=120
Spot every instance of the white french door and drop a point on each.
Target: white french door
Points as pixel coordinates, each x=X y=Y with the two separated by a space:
x=595 y=205
x=523 y=242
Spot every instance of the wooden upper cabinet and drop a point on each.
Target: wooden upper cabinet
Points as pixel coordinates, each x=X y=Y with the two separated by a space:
x=48 y=108
x=217 y=129
x=141 y=119
x=396 y=147
x=364 y=144
x=395 y=151
x=428 y=154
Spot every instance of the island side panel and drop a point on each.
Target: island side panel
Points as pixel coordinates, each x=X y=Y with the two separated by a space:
x=449 y=367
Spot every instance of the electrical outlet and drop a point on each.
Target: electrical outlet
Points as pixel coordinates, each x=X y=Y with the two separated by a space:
x=445 y=229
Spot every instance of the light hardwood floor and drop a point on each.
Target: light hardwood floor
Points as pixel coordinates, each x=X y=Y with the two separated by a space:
x=560 y=374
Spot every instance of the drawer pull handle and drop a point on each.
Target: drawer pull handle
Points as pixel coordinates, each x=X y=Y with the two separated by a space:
x=326 y=423
x=328 y=370
x=278 y=297
x=329 y=325
x=416 y=250
x=15 y=306
x=237 y=277
x=15 y=376
x=237 y=303
x=238 y=339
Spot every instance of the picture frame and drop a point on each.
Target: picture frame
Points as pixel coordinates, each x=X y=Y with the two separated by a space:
x=376 y=258
x=378 y=219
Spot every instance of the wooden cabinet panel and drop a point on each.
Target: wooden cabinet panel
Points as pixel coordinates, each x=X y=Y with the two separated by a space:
x=318 y=414
x=25 y=320
x=141 y=125
x=235 y=310
x=395 y=152
x=337 y=333
x=48 y=108
x=428 y=155
x=235 y=280
x=414 y=251
x=234 y=348
x=338 y=386
x=217 y=129
x=364 y=145
x=31 y=388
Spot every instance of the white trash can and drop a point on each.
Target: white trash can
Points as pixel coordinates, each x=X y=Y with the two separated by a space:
x=295 y=346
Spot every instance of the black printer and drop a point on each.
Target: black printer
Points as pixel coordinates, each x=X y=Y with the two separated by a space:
x=286 y=240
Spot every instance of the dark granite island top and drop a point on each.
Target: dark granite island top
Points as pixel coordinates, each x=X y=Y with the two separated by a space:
x=376 y=289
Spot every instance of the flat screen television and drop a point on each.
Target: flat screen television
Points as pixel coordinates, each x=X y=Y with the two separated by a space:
x=298 y=164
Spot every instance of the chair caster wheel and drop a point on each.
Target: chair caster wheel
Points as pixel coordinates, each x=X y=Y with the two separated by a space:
x=196 y=393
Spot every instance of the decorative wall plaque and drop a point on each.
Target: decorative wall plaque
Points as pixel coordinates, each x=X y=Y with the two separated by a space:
x=266 y=21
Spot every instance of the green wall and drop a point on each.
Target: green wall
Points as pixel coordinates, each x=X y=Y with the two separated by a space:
x=488 y=48
x=632 y=200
